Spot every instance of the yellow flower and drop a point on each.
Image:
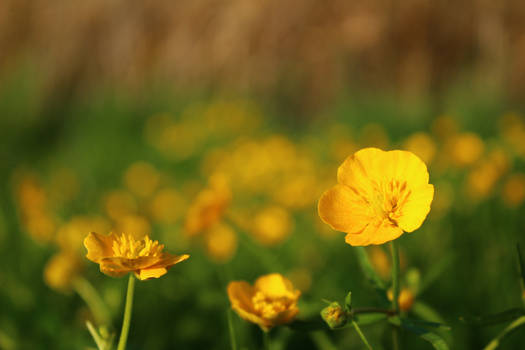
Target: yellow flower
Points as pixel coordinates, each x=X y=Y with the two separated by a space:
x=221 y=242
x=61 y=270
x=272 y=225
x=405 y=299
x=379 y=196
x=209 y=206
x=270 y=302
x=119 y=255
x=513 y=191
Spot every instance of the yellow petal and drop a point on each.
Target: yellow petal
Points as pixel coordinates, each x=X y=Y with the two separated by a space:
x=148 y=273
x=240 y=294
x=98 y=246
x=362 y=169
x=275 y=286
x=168 y=260
x=416 y=208
x=377 y=232
x=343 y=209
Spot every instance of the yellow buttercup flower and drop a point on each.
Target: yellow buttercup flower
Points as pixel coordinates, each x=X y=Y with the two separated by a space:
x=379 y=196
x=209 y=206
x=405 y=299
x=270 y=302
x=119 y=255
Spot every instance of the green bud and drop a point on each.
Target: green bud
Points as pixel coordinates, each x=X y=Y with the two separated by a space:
x=334 y=315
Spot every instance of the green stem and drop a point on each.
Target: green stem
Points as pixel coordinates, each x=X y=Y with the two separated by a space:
x=233 y=341
x=361 y=335
x=94 y=334
x=394 y=249
x=92 y=299
x=266 y=340
x=395 y=274
x=127 y=314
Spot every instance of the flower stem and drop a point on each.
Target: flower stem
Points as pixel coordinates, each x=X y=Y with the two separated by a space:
x=127 y=314
x=395 y=274
x=92 y=299
x=361 y=335
x=232 y=331
x=394 y=249
x=266 y=340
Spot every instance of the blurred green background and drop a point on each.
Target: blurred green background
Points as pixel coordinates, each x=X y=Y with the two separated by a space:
x=114 y=116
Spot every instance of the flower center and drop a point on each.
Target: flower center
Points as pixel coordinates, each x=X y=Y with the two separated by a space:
x=269 y=308
x=127 y=247
x=389 y=198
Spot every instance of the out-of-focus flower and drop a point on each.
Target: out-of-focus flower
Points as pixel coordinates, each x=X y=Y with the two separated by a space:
x=513 y=191
x=270 y=302
x=221 y=242
x=71 y=234
x=484 y=176
x=380 y=261
x=119 y=255
x=405 y=298
x=141 y=179
x=33 y=203
x=167 y=206
x=464 y=149
x=137 y=224
x=209 y=206
x=119 y=203
x=379 y=196
x=61 y=270
x=272 y=225
x=334 y=315
x=422 y=145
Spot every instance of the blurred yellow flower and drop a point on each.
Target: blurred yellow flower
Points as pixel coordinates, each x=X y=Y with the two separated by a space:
x=61 y=270
x=513 y=191
x=119 y=255
x=209 y=206
x=270 y=302
x=422 y=145
x=272 y=225
x=142 y=179
x=221 y=242
x=378 y=196
x=119 y=203
x=380 y=261
x=167 y=205
x=405 y=299
x=465 y=149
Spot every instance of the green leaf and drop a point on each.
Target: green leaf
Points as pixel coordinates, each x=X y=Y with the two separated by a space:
x=494 y=344
x=348 y=302
x=371 y=275
x=496 y=318
x=434 y=339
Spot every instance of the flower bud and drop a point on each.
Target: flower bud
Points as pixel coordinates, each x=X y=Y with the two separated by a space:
x=334 y=315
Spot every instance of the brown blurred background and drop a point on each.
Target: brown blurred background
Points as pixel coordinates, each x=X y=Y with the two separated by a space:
x=304 y=48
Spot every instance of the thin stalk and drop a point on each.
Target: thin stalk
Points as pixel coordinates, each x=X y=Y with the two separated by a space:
x=361 y=335
x=94 y=334
x=395 y=274
x=92 y=299
x=266 y=340
x=233 y=341
x=127 y=314
x=372 y=310
x=394 y=249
